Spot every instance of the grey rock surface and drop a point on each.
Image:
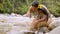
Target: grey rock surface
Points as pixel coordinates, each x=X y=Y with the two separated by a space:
x=18 y=24
x=55 y=31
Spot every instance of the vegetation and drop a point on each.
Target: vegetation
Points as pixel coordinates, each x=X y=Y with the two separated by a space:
x=21 y=6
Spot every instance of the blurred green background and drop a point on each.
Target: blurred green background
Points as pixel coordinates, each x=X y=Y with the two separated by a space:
x=21 y=6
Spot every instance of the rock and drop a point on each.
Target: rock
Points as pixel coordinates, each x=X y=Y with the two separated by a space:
x=55 y=31
x=17 y=24
x=36 y=32
x=55 y=22
x=43 y=29
x=40 y=33
x=29 y=33
x=13 y=14
x=4 y=27
x=2 y=32
x=52 y=16
x=14 y=32
x=19 y=32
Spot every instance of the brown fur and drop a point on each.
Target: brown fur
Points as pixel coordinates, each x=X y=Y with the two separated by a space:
x=38 y=25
